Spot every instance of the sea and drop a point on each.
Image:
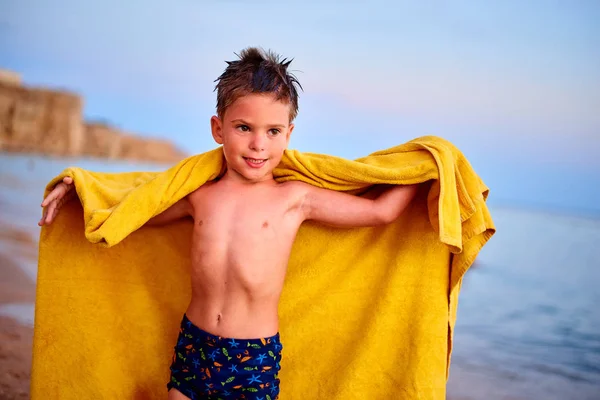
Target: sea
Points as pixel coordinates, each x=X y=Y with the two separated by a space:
x=528 y=322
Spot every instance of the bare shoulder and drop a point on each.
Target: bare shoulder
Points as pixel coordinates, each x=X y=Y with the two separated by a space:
x=293 y=189
x=200 y=192
x=200 y=198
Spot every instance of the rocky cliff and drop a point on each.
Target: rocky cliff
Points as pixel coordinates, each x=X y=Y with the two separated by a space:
x=48 y=121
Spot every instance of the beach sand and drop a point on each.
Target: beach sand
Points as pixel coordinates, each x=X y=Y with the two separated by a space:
x=15 y=359
x=16 y=288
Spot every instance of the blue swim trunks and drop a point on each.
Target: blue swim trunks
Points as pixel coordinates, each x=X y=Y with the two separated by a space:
x=206 y=366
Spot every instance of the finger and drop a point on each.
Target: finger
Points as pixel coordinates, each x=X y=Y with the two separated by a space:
x=43 y=217
x=50 y=215
x=68 y=180
x=52 y=196
x=57 y=193
x=53 y=214
x=65 y=188
x=46 y=201
x=59 y=204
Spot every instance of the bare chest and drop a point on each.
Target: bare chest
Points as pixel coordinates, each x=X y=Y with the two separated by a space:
x=239 y=220
x=245 y=218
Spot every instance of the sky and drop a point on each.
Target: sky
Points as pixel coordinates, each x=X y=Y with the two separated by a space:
x=515 y=85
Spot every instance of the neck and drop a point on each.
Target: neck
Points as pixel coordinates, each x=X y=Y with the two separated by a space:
x=233 y=177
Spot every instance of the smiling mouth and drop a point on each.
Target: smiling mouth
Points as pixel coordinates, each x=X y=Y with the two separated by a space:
x=256 y=161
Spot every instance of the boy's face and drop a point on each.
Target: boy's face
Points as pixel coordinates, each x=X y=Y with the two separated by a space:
x=254 y=131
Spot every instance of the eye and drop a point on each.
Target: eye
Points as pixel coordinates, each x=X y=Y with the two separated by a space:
x=243 y=128
x=274 y=132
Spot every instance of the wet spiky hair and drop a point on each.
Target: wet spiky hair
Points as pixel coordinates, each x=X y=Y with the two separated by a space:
x=257 y=71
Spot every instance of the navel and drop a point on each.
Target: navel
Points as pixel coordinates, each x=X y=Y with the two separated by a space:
x=200 y=223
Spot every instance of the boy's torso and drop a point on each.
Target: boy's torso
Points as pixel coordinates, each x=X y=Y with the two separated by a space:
x=241 y=242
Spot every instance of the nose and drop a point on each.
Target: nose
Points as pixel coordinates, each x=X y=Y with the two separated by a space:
x=258 y=141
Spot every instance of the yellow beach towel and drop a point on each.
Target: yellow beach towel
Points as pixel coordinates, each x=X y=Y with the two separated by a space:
x=366 y=313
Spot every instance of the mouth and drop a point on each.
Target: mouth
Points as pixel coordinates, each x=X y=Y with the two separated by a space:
x=255 y=162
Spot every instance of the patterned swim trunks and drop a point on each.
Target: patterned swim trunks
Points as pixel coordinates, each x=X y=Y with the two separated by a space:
x=206 y=366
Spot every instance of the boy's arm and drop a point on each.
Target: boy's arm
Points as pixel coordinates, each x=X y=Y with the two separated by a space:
x=179 y=210
x=64 y=191
x=348 y=211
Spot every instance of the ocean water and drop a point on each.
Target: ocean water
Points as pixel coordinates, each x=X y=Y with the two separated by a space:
x=529 y=313
x=529 y=318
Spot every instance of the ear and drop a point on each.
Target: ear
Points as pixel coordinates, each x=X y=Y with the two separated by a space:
x=289 y=133
x=216 y=127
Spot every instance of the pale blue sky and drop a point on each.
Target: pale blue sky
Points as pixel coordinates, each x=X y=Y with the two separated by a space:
x=514 y=84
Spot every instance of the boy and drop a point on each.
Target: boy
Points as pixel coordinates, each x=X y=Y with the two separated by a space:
x=245 y=223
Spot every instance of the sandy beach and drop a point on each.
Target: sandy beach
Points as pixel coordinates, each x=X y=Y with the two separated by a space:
x=15 y=359
x=16 y=288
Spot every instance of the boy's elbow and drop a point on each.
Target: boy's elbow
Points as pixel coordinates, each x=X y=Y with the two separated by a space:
x=408 y=194
x=385 y=216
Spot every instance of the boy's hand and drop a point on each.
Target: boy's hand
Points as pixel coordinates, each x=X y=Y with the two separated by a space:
x=55 y=199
